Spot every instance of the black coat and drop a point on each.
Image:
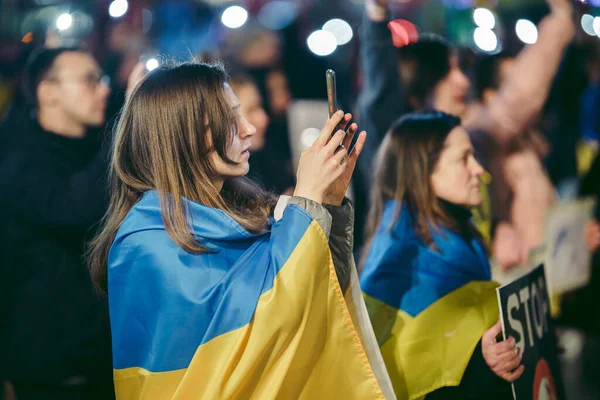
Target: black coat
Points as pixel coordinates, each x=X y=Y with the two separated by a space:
x=54 y=328
x=580 y=308
x=590 y=185
x=478 y=382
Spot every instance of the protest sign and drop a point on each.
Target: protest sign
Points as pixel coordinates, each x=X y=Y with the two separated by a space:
x=567 y=258
x=524 y=310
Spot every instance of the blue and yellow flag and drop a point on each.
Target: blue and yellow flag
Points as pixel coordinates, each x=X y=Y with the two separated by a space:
x=261 y=317
x=429 y=308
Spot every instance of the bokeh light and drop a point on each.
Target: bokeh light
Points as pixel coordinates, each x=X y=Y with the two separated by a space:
x=118 y=8
x=340 y=29
x=64 y=22
x=587 y=24
x=484 y=18
x=596 y=26
x=485 y=39
x=234 y=17
x=151 y=64
x=403 y=32
x=322 y=43
x=526 y=31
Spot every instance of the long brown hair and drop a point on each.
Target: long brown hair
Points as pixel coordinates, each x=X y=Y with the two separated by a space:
x=172 y=120
x=403 y=168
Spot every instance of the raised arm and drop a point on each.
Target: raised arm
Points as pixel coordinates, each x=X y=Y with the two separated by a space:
x=380 y=100
x=381 y=97
x=522 y=96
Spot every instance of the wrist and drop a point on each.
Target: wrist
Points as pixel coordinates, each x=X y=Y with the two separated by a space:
x=309 y=194
x=562 y=12
x=563 y=20
x=333 y=200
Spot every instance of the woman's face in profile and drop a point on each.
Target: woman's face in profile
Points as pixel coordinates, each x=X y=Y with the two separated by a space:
x=251 y=108
x=239 y=147
x=456 y=175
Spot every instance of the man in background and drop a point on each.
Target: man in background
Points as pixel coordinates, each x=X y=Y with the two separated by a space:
x=54 y=336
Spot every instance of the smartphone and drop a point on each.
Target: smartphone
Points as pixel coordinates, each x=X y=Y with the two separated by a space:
x=331 y=92
x=332 y=102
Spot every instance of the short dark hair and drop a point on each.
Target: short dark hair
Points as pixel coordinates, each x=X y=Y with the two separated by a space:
x=38 y=65
x=429 y=61
x=487 y=72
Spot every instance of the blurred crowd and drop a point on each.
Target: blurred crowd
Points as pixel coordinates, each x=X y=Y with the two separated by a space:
x=532 y=115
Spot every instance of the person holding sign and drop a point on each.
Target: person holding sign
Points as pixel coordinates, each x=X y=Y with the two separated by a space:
x=590 y=186
x=198 y=272
x=579 y=308
x=425 y=274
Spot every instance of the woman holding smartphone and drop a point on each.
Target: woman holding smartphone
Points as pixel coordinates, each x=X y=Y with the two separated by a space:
x=215 y=289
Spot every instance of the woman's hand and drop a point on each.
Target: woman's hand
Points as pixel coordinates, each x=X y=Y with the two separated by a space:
x=336 y=192
x=592 y=236
x=503 y=358
x=323 y=163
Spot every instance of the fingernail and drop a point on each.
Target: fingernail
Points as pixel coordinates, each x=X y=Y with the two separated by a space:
x=340 y=112
x=512 y=341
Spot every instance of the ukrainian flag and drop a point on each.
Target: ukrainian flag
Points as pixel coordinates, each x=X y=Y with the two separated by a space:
x=261 y=317
x=429 y=308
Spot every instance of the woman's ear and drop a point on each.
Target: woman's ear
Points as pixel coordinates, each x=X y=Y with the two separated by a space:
x=46 y=93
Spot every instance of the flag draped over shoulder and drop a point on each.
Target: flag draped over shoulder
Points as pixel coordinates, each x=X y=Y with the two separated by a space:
x=260 y=317
x=429 y=308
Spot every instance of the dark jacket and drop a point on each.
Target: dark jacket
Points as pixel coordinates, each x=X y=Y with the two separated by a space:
x=478 y=382
x=590 y=185
x=379 y=105
x=54 y=328
x=580 y=307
